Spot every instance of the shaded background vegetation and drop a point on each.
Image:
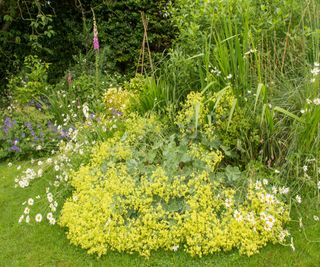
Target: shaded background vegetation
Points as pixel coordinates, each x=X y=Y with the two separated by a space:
x=60 y=33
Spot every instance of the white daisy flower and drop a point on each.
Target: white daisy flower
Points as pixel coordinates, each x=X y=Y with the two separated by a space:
x=283 y=234
x=305 y=168
x=283 y=190
x=50 y=199
x=27 y=219
x=237 y=215
x=274 y=190
x=52 y=221
x=49 y=216
x=258 y=185
x=265 y=181
x=30 y=201
x=21 y=219
x=52 y=207
x=40 y=172
x=38 y=217
x=175 y=248
x=269 y=198
x=9 y=164
x=316 y=218
x=298 y=199
x=315 y=71
x=228 y=202
x=26 y=210
x=270 y=220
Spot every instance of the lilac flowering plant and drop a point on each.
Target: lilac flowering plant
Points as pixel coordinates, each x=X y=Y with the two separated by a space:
x=25 y=131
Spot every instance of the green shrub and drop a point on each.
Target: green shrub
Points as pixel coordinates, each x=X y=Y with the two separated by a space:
x=31 y=83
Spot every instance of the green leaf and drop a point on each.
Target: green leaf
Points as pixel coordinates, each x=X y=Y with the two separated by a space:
x=7 y=18
x=260 y=87
x=289 y=114
x=234 y=103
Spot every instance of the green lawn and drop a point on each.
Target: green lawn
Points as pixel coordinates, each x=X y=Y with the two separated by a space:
x=45 y=245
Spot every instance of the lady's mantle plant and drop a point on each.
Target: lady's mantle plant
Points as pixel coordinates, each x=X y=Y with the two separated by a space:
x=146 y=189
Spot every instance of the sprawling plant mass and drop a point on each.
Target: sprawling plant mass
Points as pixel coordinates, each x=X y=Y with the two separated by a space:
x=144 y=190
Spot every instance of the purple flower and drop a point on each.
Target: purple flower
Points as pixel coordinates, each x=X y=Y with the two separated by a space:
x=95 y=34
x=8 y=122
x=38 y=106
x=28 y=125
x=95 y=43
x=64 y=133
x=15 y=148
x=116 y=112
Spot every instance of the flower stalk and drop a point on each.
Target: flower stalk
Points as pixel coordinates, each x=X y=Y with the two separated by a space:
x=96 y=46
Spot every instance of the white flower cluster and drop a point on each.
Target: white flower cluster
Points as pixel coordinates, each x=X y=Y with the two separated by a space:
x=28 y=175
x=38 y=217
x=269 y=221
x=315 y=71
x=268 y=197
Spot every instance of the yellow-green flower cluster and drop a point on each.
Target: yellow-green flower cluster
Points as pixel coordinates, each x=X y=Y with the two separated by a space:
x=117 y=101
x=210 y=158
x=114 y=211
x=136 y=84
x=210 y=118
x=193 y=114
x=128 y=204
x=229 y=131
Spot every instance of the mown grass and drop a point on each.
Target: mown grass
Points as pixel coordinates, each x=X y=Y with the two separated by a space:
x=45 y=245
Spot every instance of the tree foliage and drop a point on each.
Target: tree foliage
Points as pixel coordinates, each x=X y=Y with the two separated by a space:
x=59 y=31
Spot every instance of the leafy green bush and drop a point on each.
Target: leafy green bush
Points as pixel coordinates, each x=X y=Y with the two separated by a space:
x=31 y=83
